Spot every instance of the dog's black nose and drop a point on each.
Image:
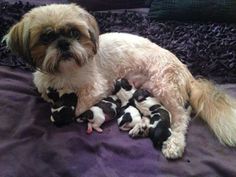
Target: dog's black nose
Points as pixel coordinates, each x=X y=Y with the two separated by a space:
x=63 y=45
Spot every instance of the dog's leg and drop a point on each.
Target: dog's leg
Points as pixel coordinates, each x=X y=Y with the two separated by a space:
x=174 y=146
x=89 y=96
x=90 y=128
x=85 y=101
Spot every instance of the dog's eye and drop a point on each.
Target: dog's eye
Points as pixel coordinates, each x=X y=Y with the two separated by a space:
x=48 y=37
x=73 y=33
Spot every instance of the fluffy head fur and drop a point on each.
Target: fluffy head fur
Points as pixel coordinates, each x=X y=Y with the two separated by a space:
x=55 y=41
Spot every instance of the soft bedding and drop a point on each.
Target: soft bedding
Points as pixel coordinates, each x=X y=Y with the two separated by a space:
x=31 y=146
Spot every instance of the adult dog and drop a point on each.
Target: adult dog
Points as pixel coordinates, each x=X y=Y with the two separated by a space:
x=63 y=43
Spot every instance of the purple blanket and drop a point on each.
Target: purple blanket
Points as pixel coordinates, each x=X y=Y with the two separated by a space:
x=31 y=146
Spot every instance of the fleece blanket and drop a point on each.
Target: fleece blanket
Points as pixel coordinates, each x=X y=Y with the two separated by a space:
x=31 y=146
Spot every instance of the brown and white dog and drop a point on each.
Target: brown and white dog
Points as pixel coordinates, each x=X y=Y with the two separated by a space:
x=63 y=43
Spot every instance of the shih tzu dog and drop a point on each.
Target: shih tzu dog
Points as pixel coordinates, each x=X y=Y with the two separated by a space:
x=63 y=43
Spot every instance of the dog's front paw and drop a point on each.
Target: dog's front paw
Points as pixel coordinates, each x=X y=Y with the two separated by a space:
x=173 y=147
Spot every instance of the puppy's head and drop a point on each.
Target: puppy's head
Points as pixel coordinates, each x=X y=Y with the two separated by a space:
x=124 y=91
x=55 y=38
x=121 y=84
x=141 y=95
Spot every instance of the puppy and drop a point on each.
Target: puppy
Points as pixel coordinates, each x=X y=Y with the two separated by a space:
x=157 y=122
x=124 y=91
x=159 y=128
x=129 y=115
x=63 y=107
x=104 y=110
x=62 y=42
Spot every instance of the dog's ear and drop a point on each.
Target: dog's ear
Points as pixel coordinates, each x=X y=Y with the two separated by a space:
x=93 y=31
x=94 y=40
x=17 y=39
x=117 y=87
x=146 y=93
x=139 y=96
x=125 y=84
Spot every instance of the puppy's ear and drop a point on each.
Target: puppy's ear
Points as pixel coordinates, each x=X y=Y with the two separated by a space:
x=125 y=84
x=139 y=96
x=117 y=87
x=17 y=40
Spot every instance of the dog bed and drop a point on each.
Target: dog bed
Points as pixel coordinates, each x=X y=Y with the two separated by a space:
x=31 y=146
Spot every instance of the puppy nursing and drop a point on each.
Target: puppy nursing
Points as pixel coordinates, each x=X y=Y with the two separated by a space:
x=136 y=111
x=129 y=115
x=62 y=41
x=142 y=114
x=158 y=119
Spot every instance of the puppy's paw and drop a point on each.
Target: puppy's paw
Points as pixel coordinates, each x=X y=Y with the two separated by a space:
x=134 y=131
x=139 y=130
x=98 y=129
x=173 y=147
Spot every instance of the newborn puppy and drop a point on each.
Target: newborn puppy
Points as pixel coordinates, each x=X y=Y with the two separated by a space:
x=145 y=102
x=104 y=110
x=157 y=127
x=124 y=91
x=129 y=115
x=63 y=107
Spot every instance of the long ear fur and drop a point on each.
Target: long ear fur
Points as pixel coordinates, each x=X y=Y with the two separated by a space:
x=93 y=28
x=17 y=40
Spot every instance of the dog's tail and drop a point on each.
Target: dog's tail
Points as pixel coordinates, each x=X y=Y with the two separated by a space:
x=216 y=108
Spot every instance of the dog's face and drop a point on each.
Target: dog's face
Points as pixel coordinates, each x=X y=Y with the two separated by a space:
x=55 y=38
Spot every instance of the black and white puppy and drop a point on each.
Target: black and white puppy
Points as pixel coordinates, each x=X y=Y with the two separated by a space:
x=157 y=126
x=63 y=106
x=129 y=115
x=124 y=91
x=104 y=110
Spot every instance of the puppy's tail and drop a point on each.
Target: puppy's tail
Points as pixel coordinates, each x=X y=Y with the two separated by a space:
x=216 y=108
